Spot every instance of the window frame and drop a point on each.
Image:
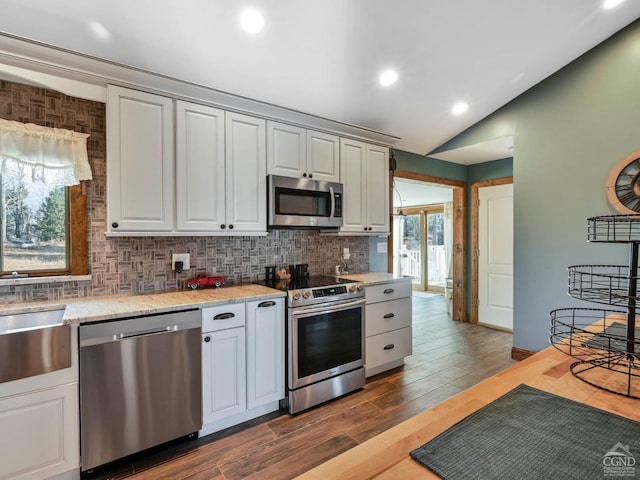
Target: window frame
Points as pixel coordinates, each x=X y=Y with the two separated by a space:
x=77 y=245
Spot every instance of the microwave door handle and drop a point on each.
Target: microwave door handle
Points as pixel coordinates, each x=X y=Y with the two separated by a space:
x=333 y=203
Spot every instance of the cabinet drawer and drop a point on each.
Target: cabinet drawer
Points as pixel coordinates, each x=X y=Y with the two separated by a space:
x=387 y=347
x=223 y=317
x=388 y=291
x=386 y=316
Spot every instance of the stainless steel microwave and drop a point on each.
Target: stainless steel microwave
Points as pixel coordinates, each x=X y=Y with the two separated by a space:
x=303 y=203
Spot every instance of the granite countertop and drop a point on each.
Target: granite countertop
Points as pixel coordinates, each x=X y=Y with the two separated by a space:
x=376 y=278
x=93 y=309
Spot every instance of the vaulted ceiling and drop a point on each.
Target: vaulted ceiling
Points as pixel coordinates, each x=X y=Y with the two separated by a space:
x=324 y=57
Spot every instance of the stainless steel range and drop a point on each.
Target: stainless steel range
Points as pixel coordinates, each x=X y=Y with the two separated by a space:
x=325 y=339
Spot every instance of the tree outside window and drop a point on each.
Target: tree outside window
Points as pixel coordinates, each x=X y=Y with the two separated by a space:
x=34 y=222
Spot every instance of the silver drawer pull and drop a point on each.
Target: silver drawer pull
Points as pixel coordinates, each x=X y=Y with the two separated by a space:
x=391 y=346
x=224 y=316
x=389 y=290
x=270 y=303
x=389 y=315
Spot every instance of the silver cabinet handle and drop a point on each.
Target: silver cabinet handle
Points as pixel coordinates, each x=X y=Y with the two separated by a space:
x=269 y=303
x=391 y=346
x=389 y=290
x=389 y=315
x=224 y=316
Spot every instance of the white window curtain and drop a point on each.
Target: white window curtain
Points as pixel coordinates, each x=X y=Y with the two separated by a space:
x=448 y=237
x=56 y=156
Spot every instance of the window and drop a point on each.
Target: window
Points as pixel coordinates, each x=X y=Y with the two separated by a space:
x=42 y=209
x=35 y=234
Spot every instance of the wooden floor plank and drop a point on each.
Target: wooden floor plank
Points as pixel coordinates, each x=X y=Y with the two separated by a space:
x=386 y=456
x=449 y=356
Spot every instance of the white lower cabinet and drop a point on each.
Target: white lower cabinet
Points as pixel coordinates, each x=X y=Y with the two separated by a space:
x=223 y=362
x=388 y=325
x=243 y=362
x=223 y=356
x=39 y=434
x=265 y=352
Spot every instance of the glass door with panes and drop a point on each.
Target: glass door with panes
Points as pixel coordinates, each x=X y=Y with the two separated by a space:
x=422 y=248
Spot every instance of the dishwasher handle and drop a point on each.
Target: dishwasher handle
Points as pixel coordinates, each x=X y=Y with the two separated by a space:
x=151 y=331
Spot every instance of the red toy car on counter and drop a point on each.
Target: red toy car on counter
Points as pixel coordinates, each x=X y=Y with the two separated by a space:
x=203 y=280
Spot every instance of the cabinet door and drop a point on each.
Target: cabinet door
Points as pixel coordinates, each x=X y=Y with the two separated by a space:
x=378 y=189
x=39 y=433
x=200 y=171
x=286 y=150
x=246 y=177
x=140 y=159
x=265 y=352
x=353 y=174
x=223 y=372
x=323 y=156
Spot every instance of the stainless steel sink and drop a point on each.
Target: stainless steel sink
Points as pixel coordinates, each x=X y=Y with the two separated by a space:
x=33 y=343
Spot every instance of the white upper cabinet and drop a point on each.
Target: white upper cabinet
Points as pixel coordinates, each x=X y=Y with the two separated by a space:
x=200 y=167
x=140 y=161
x=365 y=174
x=213 y=183
x=246 y=178
x=300 y=153
x=323 y=156
x=286 y=150
x=378 y=197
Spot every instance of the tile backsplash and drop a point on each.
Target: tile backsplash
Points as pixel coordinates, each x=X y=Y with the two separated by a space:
x=132 y=265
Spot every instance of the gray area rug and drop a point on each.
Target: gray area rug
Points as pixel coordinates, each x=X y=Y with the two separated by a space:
x=531 y=434
x=611 y=339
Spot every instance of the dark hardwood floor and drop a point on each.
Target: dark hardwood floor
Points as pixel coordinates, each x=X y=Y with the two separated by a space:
x=447 y=358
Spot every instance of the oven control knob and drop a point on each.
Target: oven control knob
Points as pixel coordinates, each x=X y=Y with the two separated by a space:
x=306 y=294
x=296 y=296
x=352 y=288
x=360 y=287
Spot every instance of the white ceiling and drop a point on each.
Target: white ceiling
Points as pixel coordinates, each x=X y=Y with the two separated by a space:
x=323 y=57
x=409 y=193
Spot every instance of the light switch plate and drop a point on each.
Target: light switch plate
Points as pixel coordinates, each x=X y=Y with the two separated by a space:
x=181 y=257
x=381 y=247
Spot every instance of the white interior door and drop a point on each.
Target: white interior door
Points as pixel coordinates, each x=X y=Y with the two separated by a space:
x=495 y=261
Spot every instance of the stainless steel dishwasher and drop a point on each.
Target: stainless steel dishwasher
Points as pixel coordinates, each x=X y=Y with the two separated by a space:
x=140 y=384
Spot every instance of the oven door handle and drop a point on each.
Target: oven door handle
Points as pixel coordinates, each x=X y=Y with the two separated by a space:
x=327 y=307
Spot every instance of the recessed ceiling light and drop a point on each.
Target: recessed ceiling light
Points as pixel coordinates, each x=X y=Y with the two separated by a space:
x=388 y=77
x=460 y=108
x=99 y=30
x=611 y=3
x=252 y=21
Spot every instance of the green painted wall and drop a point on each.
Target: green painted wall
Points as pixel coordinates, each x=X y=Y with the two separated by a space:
x=489 y=171
x=413 y=162
x=569 y=132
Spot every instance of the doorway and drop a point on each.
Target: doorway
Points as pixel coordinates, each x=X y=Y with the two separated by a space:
x=457 y=283
x=492 y=259
x=422 y=253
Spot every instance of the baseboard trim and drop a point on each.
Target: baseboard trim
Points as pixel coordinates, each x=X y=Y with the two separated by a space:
x=520 y=353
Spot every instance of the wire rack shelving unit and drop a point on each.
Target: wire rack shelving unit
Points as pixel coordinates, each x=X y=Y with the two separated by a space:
x=604 y=341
